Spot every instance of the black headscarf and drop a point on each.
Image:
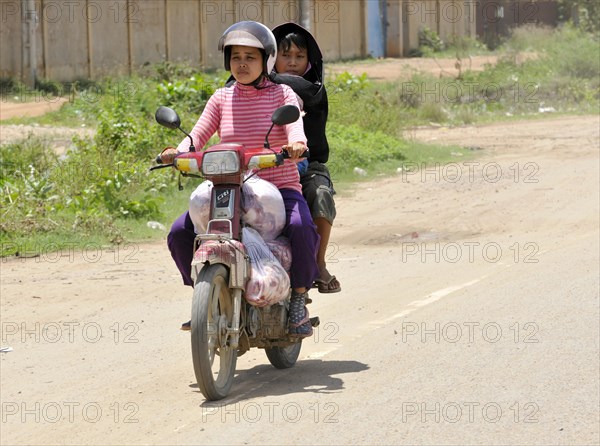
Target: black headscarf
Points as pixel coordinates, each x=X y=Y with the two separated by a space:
x=311 y=90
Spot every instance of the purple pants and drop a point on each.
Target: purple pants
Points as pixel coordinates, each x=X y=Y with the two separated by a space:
x=299 y=229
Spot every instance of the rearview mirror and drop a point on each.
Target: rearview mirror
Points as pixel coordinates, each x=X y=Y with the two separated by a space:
x=167 y=117
x=285 y=114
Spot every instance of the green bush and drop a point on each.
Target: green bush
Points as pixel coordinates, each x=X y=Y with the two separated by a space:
x=191 y=93
x=430 y=41
x=358 y=147
x=102 y=181
x=354 y=100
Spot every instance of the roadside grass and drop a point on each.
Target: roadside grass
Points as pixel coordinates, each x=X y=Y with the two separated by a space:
x=357 y=154
x=564 y=78
x=101 y=192
x=457 y=46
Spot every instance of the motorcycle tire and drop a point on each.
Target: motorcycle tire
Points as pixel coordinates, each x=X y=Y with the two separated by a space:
x=284 y=357
x=212 y=312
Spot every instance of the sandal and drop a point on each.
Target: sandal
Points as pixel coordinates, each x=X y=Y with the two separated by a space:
x=324 y=286
x=301 y=329
x=186 y=326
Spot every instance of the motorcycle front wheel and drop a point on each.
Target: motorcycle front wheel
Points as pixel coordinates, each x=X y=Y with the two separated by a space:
x=212 y=312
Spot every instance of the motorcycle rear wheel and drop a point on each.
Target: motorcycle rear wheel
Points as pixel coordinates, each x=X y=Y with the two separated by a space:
x=212 y=312
x=284 y=357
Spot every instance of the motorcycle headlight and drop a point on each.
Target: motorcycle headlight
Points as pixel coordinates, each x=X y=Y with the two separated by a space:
x=220 y=162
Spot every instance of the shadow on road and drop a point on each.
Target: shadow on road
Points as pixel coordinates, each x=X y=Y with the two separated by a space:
x=310 y=375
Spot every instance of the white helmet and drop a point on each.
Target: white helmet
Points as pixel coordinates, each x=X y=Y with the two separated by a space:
x=253 y=34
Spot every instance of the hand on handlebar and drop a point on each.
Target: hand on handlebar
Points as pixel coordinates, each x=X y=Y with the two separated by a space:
x=296 y=150
x=167 y=156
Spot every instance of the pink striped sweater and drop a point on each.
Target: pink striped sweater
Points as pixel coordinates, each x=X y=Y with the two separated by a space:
x=242 y=114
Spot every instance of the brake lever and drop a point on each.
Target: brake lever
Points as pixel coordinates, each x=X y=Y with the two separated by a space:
x=162 y=166
x=286 y=155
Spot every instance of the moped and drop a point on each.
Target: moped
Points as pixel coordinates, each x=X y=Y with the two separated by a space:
x=223 y=324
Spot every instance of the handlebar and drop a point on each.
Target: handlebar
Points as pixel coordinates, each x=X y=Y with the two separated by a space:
x=276 y=159
x=284 y=153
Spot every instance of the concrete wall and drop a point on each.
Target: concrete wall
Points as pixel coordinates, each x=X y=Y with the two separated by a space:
x=92 y=38
x=109 y=38
x=339 y=27
x=448 y=18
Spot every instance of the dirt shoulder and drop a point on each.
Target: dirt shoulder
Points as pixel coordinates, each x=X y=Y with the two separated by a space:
x=400 y=69
x=59 y=138
x=40 y=107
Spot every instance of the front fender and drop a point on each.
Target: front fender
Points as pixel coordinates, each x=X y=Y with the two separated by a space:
x=230 y=253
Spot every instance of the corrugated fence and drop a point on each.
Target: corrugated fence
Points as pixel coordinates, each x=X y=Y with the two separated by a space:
x=91 y=38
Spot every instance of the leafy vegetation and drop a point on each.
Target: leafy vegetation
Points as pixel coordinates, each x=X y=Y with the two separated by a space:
x=539 y=71
x=101 y=189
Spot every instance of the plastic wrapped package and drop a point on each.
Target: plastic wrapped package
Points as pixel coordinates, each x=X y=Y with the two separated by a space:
x=282 y=250
x=199 y=206
x=263 y=208
x=269 y=283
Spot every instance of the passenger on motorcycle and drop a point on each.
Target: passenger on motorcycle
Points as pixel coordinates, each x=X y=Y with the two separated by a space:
x=240 y=114
x=299 y=64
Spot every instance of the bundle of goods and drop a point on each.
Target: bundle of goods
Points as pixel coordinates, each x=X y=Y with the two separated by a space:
x=270 y=253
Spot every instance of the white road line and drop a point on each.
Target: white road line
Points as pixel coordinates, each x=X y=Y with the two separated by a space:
x=429 y=299
x=413 y=306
